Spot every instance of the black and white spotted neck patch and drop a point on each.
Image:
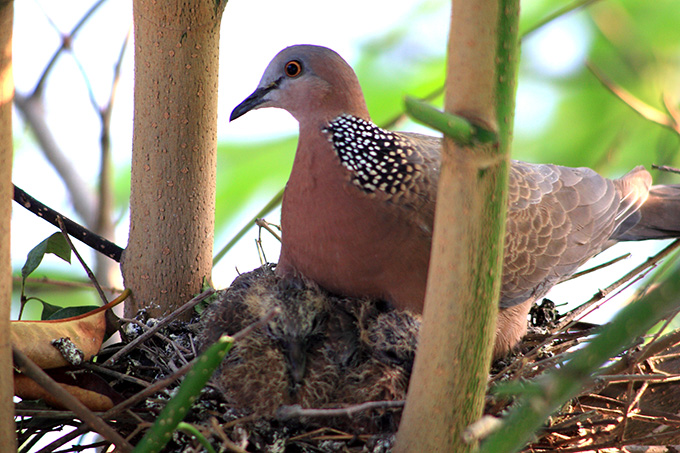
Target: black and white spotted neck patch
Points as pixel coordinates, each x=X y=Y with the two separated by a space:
x=377 y=158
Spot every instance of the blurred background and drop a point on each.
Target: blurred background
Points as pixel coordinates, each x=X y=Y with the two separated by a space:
x=67 y=61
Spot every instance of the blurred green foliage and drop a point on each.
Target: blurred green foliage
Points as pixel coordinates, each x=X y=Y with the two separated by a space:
x=636 y=45
x=250 y=170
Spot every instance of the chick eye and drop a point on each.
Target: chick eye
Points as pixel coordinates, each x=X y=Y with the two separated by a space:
x=293 y=68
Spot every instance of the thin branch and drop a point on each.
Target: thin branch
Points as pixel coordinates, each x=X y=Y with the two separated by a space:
x=650 y=262
x=269 y=207
x=89 y=273
x=262 y=223
x=33 y=371
x=162 y=323
x=296 y=411
x=649 y=378
x=649 y=345
x=641 y=108
x=144 y=327
x=557 y=14
x=218 y=430
x=65 y=45
x=79 y=232
x=62 y=283
x=666 y=168
x=104 y=223
x=654 y=348
x=672 y=110
x=120 y=376
x=598 y=267
x=79 y=192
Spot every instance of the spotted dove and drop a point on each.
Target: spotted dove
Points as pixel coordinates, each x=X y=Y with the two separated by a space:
x=358 y=209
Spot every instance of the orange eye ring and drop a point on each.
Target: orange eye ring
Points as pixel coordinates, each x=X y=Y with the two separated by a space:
x=293 y=68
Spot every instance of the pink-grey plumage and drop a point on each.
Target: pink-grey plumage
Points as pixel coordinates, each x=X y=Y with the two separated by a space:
x=358 y=209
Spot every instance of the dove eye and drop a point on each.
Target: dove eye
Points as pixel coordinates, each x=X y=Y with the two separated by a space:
x=293 y=68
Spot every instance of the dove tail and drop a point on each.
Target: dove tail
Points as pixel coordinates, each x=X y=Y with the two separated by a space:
x=657 y=218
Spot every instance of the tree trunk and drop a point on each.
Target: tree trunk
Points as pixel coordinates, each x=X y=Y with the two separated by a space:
x=172 y=200
x=7 y=428
x=451 y=369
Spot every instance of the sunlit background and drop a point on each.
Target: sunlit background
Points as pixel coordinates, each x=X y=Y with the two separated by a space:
x=564 y=114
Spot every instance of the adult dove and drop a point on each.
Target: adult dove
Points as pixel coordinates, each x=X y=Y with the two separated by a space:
x=358 y=209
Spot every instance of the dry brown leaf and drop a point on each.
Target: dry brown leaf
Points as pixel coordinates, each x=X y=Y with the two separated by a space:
x=87 y=331
x=27 y=388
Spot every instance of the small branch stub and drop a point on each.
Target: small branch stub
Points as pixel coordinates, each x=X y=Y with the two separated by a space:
x=462 y=131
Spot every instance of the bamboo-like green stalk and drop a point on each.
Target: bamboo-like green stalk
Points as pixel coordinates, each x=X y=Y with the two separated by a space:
x=173 y=413
x=448 y=385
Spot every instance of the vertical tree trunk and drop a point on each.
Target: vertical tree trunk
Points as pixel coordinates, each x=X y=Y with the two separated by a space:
x=7 y=430
x=447 y=388
x=169 y=253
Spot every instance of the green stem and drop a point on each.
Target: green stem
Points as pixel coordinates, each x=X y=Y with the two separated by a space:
x=557 y=14
x=173 y=413
x=454 y=126
x=191 y=430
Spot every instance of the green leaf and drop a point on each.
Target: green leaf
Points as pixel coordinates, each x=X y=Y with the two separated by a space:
x=47 y=309
x=69 y=312
x=55 y=244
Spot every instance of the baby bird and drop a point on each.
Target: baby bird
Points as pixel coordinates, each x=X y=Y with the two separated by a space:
x=389 y=343
x=269 y=367
x=319 y=351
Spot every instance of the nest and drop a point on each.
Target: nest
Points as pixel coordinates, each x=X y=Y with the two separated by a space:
x=325 y=373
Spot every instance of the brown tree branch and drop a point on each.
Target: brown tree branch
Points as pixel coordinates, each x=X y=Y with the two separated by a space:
x=7 y=434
